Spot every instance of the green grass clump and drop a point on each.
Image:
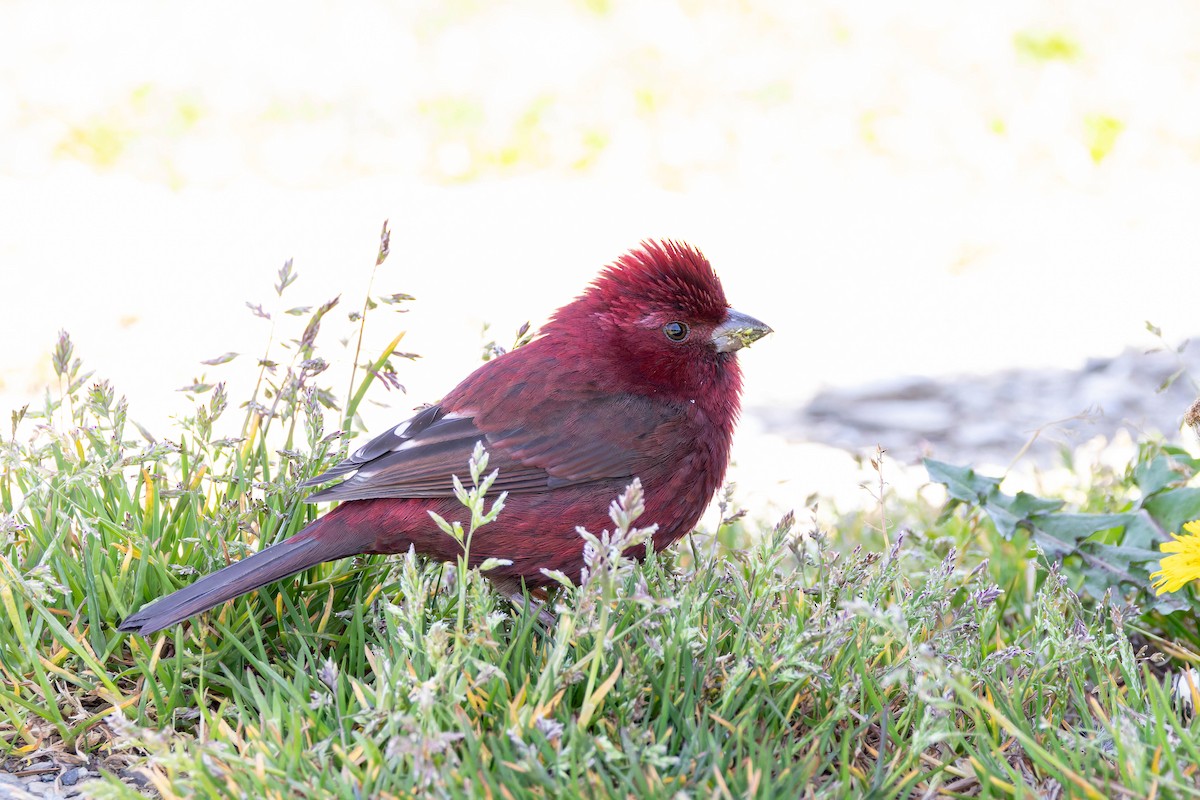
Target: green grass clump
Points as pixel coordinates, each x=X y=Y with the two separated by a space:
x=934 y=664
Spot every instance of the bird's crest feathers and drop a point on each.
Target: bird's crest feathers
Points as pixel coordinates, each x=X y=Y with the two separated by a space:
x=664 y=274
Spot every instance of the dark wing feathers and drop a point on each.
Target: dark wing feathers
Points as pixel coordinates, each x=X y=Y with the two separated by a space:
x=604 y=437
x=382 y=444
x=576 y=452
x=426 y=423
x=421 y=466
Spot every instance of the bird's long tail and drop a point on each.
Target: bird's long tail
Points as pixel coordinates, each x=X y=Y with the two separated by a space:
x=316 y=543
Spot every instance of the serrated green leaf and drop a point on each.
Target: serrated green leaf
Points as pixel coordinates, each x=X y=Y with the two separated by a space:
x=1122 y=564
x=1174 y=507
x=962 y=483
x=1069 y=530
x=1156 y=473
x=1010 y=512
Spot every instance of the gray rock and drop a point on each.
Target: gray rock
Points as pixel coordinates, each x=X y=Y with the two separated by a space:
x=923 y=417
x=11 y=792
x=135 y=778
x=72 y=776
x=989 y=418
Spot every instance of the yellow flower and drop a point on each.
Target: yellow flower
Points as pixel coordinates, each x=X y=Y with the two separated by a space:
x=1183 y=565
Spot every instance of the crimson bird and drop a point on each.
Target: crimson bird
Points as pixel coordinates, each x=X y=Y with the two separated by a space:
x=637 y=377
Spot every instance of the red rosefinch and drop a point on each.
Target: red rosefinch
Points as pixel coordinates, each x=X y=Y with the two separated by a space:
x=637 y=377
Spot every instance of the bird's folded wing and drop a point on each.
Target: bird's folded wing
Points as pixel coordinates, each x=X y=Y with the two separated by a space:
x=564 y=444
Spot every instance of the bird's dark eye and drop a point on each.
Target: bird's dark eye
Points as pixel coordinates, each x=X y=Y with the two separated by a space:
x=676 y=331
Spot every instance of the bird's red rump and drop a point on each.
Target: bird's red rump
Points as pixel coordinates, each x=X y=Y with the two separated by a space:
x=625 y=381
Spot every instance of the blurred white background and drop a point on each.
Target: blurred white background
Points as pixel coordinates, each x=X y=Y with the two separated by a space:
x=928 y=188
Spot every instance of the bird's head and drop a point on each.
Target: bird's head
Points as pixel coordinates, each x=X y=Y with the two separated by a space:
x=660 y=317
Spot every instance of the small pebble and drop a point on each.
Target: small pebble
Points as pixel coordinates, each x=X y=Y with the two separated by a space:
x=135 y=778
x=72 y=776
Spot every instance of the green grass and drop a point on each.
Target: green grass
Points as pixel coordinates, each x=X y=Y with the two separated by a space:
x=930 y=661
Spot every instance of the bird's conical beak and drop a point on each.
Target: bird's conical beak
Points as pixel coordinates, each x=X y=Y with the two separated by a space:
x=738 y=330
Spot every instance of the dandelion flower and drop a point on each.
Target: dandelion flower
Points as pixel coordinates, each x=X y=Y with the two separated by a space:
x=1183 y=565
